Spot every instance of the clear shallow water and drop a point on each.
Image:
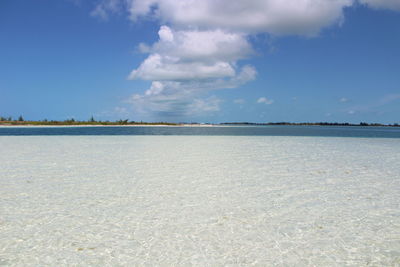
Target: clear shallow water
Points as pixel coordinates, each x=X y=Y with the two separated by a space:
x=329 y=131
x=199 y=200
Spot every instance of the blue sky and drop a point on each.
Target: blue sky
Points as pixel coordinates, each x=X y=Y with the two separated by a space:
x=257 y=61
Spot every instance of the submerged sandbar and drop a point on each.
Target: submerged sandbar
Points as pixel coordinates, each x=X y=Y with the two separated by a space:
x=201 y=200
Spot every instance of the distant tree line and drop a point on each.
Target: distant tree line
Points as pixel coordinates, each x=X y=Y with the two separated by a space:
x=92 y=121
x=312 y=123
x=20 y=118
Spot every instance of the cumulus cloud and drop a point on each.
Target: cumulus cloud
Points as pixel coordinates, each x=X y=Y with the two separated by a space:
x=206 y=45
x=264 y=100
x=210 y=104
x=173 y=101
x=157 y=67
x=189 y=55
x=280 y=17
x=186 y=97
x=184 y=65
x=202 y=42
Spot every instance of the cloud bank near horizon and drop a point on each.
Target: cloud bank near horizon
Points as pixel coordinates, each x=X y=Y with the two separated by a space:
x=202 y=42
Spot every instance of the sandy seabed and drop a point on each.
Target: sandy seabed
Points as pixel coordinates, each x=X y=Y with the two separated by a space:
x=199 y=201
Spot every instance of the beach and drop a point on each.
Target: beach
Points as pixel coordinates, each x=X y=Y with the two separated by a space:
x=199 y=201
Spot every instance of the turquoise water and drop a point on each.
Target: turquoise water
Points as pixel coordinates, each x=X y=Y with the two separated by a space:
x=328 y=131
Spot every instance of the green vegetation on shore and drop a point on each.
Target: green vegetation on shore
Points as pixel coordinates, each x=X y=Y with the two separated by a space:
x=73 y=122
x=94 y=122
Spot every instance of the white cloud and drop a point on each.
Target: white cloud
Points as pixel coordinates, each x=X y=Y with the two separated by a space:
x=279 y=17
x=202 y=45
x=185 y=65
x=303 y=17
x=201 y=106
x=201 y=48
x=186 y=97
x=165 y=34
x=343 y=100
x=158 y=67
x=383 y=4
x=174 y=99
x=264 y=100
x=189 y=55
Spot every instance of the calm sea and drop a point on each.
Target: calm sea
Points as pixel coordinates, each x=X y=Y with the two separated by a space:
x=328 y=131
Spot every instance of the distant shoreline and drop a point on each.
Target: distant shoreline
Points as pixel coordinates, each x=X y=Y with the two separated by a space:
x=107 y=125
x=165 y=124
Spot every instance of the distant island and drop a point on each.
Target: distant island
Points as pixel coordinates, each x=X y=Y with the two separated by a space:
x=92 y=121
